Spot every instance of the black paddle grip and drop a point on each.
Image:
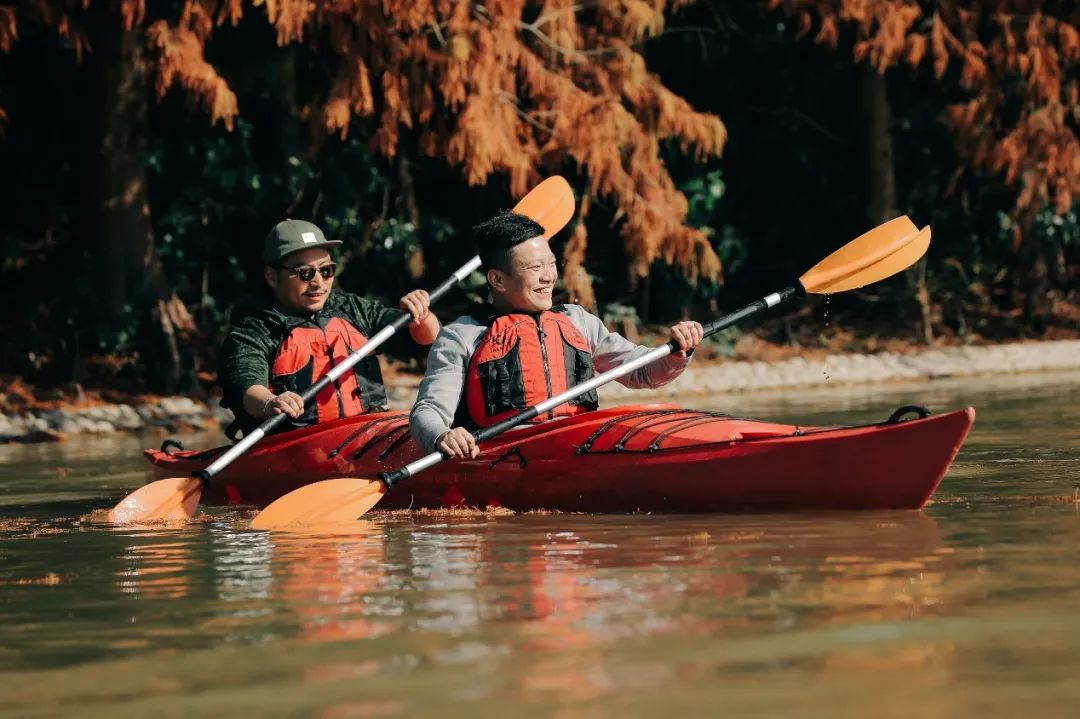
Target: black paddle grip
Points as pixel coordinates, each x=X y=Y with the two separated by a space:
x=403 y=319
x=271 y=424
x=508 y=423
x=392 y=478
x=753 y=308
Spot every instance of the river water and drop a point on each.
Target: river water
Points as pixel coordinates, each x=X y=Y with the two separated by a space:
x=970 y=607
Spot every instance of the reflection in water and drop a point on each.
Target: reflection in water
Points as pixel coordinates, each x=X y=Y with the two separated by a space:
x=562 y=598
x=967 y=606
x=327 y=581
x=155 y=570
x=241 y=564
x=549 y=610
x=441 y=583
x=564 y=593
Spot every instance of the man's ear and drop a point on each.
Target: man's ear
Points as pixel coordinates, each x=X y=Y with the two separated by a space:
x=270 y=274
x=496 y=279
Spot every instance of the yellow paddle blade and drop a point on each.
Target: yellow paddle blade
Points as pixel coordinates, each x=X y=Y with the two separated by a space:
x=165 y=500
x=862 y=253
x=551 y=203
x=898 y=261
x=321 y=503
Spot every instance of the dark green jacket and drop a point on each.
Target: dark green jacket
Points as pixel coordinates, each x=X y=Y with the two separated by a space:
x=258 y=331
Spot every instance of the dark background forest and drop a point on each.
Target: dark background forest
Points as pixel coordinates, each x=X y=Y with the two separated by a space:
x=718 y=149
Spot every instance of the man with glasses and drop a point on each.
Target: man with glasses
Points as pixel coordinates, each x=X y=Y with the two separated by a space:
x=521 y=349
x=276 y=350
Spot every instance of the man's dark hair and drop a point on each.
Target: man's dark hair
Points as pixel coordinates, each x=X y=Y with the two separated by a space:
x=495 y=238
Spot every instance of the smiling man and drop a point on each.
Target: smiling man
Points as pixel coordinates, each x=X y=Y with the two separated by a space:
x=520 y=349
x=280 y=346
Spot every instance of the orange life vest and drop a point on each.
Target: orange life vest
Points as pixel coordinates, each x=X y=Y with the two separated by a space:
x=523 y=360
x=312 y=349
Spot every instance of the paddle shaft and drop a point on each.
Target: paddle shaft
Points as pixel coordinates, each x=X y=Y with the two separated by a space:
x=337 y=371
x=392 y=478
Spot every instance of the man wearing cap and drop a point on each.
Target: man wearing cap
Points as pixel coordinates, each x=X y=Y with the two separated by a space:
x=279 y=348
x=520 y=349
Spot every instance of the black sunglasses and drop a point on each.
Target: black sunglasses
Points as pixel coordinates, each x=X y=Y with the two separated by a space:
x=306 y=273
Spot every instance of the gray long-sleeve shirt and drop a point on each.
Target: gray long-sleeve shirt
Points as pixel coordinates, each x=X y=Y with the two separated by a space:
x=448 y=362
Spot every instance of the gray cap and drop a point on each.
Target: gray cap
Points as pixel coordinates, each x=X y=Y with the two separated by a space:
x=289 y=236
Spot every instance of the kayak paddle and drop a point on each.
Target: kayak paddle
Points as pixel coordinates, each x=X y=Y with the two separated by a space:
x=551 y=203
x=871 y=257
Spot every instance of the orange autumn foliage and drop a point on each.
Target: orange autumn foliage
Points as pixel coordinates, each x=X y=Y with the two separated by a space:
x=179 y=60
x=9 y=31
x=1024 y=132
x=502 y=87
x=494 y=93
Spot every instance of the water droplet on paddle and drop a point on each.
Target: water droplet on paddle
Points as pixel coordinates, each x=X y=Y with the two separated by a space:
x=825 y=316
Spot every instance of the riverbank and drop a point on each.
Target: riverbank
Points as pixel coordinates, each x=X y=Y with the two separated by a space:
x=168 y=415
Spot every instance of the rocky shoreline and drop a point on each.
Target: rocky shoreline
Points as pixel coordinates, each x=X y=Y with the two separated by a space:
x=174 y=414
x=886 y=367
x=166 y=415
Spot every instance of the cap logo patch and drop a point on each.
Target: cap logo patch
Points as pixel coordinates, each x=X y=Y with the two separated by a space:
x=308 y=238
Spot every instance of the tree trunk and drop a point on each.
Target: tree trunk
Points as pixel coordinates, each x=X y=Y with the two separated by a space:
x=1035 y=288
x=415 y=262
x=644 y=309
x=290 y=131
x=132 y=281
x=881 y=179
x=124 y=232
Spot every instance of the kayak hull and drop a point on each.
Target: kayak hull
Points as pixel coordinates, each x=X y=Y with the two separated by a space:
x=651 y=458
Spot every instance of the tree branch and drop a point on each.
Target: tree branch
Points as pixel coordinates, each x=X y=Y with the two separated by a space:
x=571 y=52
x=544 y=19
x=510 y=100
x=438 y=33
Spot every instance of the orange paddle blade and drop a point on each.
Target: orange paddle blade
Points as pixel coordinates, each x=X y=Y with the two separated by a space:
x=321 y=503
x=551 y=203
x=862 y=253
x=898 y=261
x=162 y=501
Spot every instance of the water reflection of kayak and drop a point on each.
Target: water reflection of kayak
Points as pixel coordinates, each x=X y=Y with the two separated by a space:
x=636 y=458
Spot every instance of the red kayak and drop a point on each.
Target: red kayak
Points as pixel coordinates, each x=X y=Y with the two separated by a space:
x=656 y=458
